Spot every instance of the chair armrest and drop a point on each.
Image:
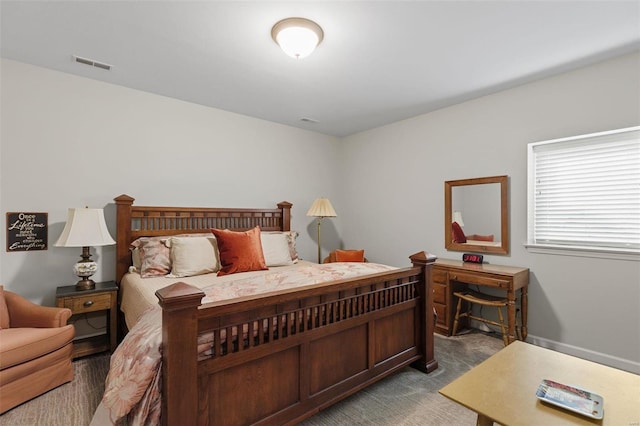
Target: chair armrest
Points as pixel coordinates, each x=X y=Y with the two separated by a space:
x=23 y=313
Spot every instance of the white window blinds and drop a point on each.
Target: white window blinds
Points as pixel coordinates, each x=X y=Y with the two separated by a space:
x=585 y=191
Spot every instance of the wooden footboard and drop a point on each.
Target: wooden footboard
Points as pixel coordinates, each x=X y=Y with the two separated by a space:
x=281 y=357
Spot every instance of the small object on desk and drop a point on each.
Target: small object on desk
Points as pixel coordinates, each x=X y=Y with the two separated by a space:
x=571 y=398
x=472 y=258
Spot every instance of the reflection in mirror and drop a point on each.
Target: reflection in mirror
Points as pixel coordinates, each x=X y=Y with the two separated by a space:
x=480 y=205
x=476 y=215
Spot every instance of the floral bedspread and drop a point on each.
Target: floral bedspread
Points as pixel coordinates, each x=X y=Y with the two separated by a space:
x=132 y=388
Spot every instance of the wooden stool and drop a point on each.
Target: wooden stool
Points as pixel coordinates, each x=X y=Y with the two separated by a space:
x=484 y=300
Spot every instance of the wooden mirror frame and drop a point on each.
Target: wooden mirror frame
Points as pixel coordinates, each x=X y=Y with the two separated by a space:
x=504 y=216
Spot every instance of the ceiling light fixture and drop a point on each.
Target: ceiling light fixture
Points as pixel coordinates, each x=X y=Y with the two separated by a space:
x=297 y=37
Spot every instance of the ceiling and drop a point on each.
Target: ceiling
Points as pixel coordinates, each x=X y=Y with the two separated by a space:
x=380 y=61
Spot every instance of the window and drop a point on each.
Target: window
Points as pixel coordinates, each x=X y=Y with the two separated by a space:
x=584 y=192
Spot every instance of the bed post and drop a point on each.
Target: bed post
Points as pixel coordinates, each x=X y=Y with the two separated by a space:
x=179 y=303
x=426 y=316
x=285 y=206
x=123 y=235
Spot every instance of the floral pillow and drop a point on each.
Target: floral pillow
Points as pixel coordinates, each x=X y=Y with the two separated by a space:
x=155 y=256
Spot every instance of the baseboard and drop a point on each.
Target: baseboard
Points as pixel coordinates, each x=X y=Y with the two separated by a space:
x=600 y=358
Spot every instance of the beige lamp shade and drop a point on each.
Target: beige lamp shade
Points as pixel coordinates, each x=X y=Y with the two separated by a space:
x=85 y=228
x=321 y=208
x=457 y=217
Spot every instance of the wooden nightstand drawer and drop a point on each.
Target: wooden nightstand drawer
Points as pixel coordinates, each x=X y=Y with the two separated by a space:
x=88 y=303
x=103 y=297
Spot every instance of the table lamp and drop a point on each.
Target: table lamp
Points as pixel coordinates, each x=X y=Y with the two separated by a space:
x=321 y=208
x=85 y=228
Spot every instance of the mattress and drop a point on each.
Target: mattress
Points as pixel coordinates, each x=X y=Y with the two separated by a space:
x=137 y=294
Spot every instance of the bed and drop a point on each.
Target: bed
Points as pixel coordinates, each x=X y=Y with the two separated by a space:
x=280 y=356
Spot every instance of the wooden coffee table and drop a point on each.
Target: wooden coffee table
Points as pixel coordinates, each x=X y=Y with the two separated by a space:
x=503 y=388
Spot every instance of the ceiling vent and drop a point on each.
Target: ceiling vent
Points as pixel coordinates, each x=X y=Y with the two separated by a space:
x=92 y=63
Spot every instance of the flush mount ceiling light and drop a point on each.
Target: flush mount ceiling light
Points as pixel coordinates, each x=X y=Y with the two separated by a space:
x=297 y=37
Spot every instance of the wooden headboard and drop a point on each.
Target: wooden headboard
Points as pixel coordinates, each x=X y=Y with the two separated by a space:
x=133 y=222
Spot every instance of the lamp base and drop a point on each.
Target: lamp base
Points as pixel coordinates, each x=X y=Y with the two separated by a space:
x=85 y=284
x=319 y=250
x=84 y=269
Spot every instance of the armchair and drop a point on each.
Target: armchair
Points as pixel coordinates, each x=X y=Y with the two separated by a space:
x=35 y=349
x=345 y=256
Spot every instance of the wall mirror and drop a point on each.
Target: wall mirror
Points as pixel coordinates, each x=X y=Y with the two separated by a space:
x=476 y=215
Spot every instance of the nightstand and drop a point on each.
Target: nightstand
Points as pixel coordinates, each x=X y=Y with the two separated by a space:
x=102 y=298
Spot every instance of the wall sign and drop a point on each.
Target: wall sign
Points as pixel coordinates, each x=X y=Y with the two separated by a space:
x=27 y=231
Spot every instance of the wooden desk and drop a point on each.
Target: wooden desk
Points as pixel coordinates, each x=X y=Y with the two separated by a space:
x=503 y=388
x=449 y=276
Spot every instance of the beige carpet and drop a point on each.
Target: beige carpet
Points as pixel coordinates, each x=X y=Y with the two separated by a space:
x=410 y=397
x=71 y=404
x=406 y=398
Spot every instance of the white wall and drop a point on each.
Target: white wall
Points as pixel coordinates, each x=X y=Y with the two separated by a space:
x=69 y=141
x=393 y=178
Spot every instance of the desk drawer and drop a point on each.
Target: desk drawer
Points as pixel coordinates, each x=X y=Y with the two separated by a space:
x=439 y=276
x=478 y=279
x=439 y=293
x=441 y=312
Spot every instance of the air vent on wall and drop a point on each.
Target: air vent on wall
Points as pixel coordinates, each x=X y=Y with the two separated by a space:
x=92 y=63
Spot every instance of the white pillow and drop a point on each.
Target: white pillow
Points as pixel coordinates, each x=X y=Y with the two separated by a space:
x=136 y=260
x=291 y=239
x=275 y=248
x=193 y=256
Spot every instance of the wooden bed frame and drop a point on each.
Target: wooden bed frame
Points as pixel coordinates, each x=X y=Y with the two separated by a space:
x=311 y=347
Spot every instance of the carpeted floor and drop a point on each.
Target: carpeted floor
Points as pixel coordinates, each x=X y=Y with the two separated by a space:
x=403 y=399
x=71 y=404
x=410 y=397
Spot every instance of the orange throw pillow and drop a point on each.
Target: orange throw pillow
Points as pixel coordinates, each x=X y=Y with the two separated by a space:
x=239 y=251
x=349 y=255
x=458 y=233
